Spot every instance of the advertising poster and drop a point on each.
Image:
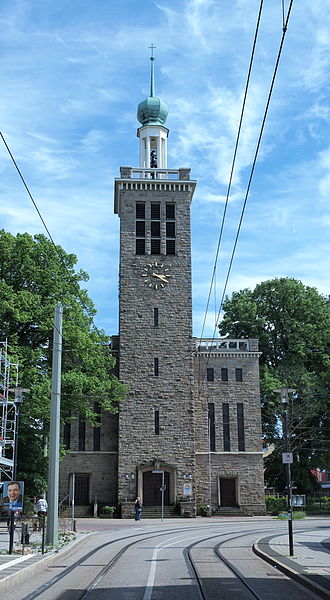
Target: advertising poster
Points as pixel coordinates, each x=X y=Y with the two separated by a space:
x=12 y=495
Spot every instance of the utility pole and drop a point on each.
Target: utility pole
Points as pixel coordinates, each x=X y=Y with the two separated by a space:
x=209 y=505
x=287 y=459
x=54 y=437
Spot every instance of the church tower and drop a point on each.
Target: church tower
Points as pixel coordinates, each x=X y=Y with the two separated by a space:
x=155 y=317
x=188 y=433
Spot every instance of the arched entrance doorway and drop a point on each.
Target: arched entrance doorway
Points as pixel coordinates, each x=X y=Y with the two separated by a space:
x=152 y=482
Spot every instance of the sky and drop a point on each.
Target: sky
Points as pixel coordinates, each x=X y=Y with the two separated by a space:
x=72 y=75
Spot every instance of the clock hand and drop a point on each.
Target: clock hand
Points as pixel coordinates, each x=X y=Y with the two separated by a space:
x=161 y=277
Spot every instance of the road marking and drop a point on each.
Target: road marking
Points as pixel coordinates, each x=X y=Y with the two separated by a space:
x=152 y=572
x=9 y=563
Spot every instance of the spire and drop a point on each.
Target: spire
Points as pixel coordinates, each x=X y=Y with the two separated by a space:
x=152 y=110
x=152 y=72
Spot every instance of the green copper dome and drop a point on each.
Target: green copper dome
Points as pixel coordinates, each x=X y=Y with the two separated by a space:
x=152 y=110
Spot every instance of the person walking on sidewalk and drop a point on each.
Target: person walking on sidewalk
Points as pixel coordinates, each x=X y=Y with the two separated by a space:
x=41 y=510
x=138 y=509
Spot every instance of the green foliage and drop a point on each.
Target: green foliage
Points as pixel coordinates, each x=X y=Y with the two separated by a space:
x=298 y=514
x=28 y=508
x=293 y=326
x=275 y=505
x=34 y=277
x=318 y=505
x=108 y=510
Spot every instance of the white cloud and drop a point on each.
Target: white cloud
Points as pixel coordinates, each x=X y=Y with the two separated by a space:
x=72 y=76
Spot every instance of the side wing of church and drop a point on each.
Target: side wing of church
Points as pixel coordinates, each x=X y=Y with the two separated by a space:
x=188 y=434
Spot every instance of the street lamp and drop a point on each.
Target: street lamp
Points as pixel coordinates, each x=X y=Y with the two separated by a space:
x=287 y=459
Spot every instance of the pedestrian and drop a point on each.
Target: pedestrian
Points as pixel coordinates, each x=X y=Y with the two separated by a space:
x=41 y=510
x=138 y=509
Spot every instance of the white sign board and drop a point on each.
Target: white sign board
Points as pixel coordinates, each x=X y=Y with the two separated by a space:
x=298 y=500
x=187 y=489
x=287 y=458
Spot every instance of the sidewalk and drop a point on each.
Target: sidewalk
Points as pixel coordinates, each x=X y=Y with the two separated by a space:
x=310 y=565
x=16 y=568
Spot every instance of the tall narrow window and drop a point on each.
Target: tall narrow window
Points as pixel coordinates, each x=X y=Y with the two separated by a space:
x=224 y=374
x=67 y=434
x=97 y=430
x=240 y=427
x=157 y=422
x=81 y=434
x=81 y=495
x=170 y=228
x=156 y=367
x=155 y=227
x=239 y=374
x=211 y=426
x=156 y=317
x=210 y=374
x=226 y=427
x=140 y=228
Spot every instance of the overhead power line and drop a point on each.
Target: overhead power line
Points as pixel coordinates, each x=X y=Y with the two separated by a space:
x=238 y=135
x=84 y=306
x=284 y=30
x=256 y=153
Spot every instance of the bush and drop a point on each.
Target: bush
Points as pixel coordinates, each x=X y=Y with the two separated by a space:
x=106 y=510
x=318 y=505
x=202 y=510
x=274 y=505
x=28 y=508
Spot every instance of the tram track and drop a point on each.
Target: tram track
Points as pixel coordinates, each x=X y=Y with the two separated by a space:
x=105 y=570
x=204 y=584
x=225 y=561
x=95 y=582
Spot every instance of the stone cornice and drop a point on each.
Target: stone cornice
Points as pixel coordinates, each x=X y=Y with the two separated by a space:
x=90 y=452
x=228 y=453
x=228 y=353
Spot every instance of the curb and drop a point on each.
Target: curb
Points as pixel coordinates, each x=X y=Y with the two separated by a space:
x=272 y=558
x=40 y=561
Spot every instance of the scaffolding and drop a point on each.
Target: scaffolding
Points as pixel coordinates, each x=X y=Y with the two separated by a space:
x=8 y=414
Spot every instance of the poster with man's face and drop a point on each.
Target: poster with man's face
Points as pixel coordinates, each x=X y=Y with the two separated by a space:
x=12 y=495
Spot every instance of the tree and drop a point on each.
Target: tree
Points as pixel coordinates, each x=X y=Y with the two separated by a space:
x=34 y=276
x=293 y=326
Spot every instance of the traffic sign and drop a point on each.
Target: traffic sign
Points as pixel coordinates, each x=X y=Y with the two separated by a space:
x=287 y=458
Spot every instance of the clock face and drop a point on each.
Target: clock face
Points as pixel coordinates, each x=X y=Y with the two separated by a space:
x=155 y=275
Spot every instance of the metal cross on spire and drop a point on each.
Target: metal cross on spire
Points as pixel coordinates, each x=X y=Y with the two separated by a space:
x=152 y=76
x=152 y=48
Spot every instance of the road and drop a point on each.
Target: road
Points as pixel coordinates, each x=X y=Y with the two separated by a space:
x=174 y=560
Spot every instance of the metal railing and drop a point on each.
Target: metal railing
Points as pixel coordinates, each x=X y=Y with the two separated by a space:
x=224 y=345
x=155 y=174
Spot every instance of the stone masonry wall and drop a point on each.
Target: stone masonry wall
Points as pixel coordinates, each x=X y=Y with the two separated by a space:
x=101 y=466
x=102 y=470
x=141 y=342
x=246 y=467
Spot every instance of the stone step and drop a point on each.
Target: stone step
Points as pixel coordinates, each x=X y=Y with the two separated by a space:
x=228 y=511
x=154 y=512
